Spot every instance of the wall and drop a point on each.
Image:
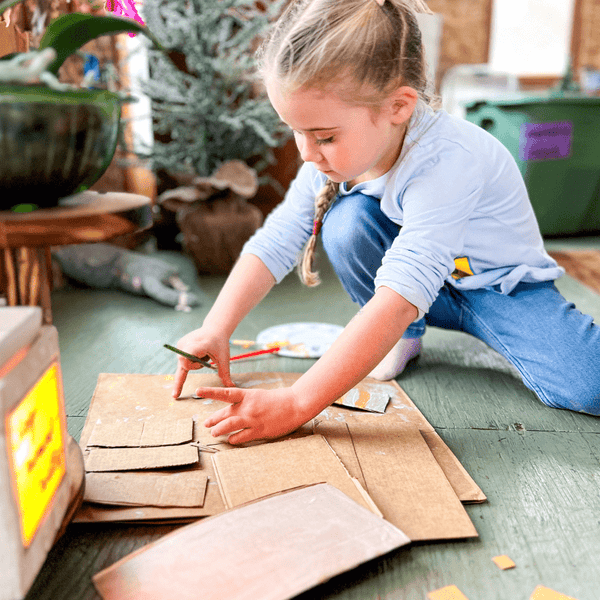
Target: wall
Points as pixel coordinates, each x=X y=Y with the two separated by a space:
x=465 y=32
x=586 y=42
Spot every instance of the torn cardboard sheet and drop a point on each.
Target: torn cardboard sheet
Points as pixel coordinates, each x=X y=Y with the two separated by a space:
x=147 y=489
x=318 y=532
x=248 y=474
x=131 y=459
x=155 y=432
x=365 y=400
x=399 y=472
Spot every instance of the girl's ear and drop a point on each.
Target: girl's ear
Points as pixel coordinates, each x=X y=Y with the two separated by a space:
x=402 y=104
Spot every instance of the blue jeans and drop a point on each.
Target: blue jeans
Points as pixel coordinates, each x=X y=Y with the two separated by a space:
x=554 y=346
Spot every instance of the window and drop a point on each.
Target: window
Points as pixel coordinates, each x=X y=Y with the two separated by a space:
x=531 y=37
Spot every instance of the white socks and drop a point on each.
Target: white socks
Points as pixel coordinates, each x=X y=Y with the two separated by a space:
x=394 y=362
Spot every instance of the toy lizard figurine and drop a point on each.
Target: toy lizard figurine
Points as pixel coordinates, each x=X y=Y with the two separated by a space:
x=107 y=266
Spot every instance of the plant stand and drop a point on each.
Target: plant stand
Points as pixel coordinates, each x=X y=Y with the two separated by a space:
x=26 y=239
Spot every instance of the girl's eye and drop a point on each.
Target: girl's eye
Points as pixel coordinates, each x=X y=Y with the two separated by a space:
x=319 y=142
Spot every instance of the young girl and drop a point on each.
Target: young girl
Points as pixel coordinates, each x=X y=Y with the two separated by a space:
x=424 y=217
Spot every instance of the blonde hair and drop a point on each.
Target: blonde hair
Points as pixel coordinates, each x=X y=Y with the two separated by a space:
x=337 y=43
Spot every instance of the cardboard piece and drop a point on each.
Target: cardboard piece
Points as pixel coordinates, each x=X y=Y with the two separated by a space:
x=148 y=397
x=544 y=593
x=449 y=592
x=404 y=408
x=395 y=466
x=147 y=489
x=242 y=475
x=504 y=562
x=365 y=400
x=317 y=531
x=142 y=397
x=131 y=459
x=163 y=432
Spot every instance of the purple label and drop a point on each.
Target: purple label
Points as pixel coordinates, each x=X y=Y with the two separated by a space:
x=546 y=141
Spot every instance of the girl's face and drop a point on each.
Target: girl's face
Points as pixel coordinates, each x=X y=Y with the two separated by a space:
x=345 y=142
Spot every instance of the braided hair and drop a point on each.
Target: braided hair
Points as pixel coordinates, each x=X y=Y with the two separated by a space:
x=325 y=198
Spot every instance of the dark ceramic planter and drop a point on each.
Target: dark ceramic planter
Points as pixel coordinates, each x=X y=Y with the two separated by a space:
x=54 y=143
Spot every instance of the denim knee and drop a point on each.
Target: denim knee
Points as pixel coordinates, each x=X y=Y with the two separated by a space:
x=351 y=222
x=575 y=396
x=356 y=235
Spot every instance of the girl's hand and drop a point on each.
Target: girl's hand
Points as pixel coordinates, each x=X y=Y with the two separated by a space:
x=202 y=343
x=259 y=414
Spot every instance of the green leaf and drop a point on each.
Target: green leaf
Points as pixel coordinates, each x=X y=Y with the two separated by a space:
x=67 y=33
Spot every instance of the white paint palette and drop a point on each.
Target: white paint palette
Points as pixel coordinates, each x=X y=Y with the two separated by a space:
x=301 y=340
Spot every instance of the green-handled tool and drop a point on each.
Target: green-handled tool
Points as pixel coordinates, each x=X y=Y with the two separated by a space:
x=191 y=357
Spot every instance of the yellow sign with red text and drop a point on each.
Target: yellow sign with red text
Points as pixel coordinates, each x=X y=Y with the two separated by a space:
x=36 y=449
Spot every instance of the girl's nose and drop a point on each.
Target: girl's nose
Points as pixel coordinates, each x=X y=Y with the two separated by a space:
x=309 y=151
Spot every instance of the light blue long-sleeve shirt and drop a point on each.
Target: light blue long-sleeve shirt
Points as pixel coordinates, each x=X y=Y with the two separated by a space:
x=460 y=200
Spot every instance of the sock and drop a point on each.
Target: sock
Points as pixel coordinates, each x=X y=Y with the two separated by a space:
x=394 y=362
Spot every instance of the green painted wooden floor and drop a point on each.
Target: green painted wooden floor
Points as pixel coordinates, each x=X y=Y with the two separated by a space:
x=539 y=467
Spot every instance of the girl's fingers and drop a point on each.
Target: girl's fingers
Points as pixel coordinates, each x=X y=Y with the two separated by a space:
x=241 y=436
x=217 y=417
x=232 y=395
x=223 y=370
x=180 y=377
x=228 y=425
x=183 y=366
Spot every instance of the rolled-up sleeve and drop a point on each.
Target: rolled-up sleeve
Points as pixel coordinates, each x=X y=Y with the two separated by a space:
x=434 y=208
x=280 y=240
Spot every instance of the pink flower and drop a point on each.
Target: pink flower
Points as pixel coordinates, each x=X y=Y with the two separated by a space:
x=126 y=9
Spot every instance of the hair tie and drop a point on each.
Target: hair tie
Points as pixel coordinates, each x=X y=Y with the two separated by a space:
x=317 y=227
x=418 y=6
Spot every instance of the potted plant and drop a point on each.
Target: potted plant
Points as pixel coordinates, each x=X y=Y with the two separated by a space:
x=55 y=139
x=213 y=125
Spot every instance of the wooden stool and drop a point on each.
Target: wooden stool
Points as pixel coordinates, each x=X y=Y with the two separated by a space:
x=26 y=239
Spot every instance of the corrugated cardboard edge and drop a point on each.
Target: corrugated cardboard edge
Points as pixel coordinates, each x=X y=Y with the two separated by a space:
x=366 y=497
x=226 y=500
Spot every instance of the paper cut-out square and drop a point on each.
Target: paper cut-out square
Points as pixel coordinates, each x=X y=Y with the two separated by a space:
x=504 y=562
x=450 y=592
x=544 y=593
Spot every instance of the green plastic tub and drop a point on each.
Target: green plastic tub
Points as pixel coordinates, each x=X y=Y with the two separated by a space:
x=556 y=143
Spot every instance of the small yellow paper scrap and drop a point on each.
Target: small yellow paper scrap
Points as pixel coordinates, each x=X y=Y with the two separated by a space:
x=544 y=593
x=503 y=562
x=450 y=592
